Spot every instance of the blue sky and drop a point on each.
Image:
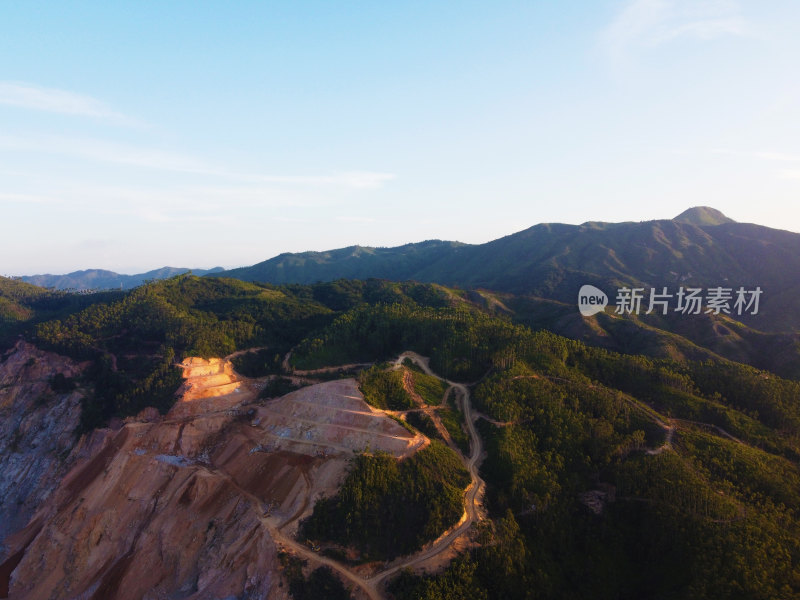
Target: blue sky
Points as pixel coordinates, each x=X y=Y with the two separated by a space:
x=135 y=135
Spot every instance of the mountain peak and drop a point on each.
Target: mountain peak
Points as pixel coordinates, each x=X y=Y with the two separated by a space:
x=703 y=216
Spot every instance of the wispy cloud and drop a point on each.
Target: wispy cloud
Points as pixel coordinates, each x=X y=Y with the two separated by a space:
x=650 y=23
x=348 y=219
x=34 y=97
x=767 y=155
x=28 y=198
x=193 y=204
x=103 y=151
x=778 y=156
x=352 y=179
x=157 y=159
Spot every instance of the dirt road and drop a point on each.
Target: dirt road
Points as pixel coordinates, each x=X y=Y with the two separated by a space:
x=371 y=585
x=287 y=367
x=474 y=493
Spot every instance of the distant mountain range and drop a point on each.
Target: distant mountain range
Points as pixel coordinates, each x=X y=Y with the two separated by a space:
x=701 y=247
x=99 y=279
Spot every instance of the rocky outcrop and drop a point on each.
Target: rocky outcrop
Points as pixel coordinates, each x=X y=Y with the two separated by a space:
x=140 y=519
x=36 y=431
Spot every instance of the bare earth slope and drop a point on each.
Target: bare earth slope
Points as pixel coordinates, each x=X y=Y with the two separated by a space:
x=174 y=506
x=36 y=426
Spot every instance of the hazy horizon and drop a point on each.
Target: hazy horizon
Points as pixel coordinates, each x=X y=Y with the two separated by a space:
x=146 y=269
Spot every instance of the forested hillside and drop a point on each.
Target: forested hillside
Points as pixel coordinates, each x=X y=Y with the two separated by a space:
x=133 y=339
x=386 y=508
x=22 y=305
x=608 y=475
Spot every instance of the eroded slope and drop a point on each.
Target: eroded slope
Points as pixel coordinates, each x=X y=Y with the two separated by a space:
x=173 y=506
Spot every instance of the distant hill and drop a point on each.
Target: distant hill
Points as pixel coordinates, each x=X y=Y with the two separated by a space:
x=701 y=248
x=99 y=279
x=354 y=262
x=22 y=305
x=703 y=216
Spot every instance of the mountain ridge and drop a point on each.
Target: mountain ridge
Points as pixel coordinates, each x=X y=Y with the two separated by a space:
x=552 y=260
x=102 y=279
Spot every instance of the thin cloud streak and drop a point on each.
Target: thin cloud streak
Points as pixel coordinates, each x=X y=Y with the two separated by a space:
x=352 y=179
x=33 y=97
x=778 y=156
x=123 y=154
x=103 y=151
x=28 y=198
x=769 y=157
x=761 y=155
x=705 y=29
x=346 y=219
x=183 y=204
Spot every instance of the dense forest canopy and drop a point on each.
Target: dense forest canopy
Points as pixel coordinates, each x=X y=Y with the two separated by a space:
x=609 y=475
x=386 y=507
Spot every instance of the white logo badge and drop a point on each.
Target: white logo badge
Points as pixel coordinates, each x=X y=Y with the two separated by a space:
x=591 y=300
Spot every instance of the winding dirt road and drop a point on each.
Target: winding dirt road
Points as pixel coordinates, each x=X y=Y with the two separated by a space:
x=474 y=493
x=370 y=585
